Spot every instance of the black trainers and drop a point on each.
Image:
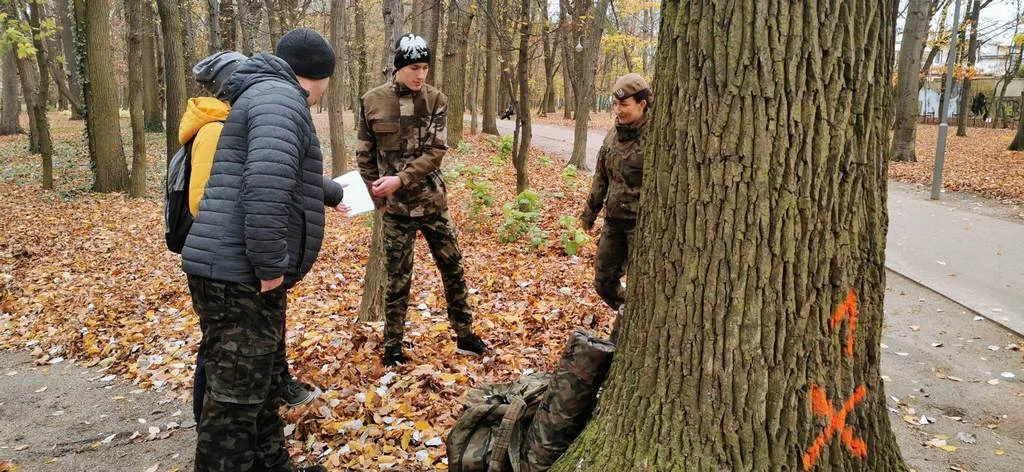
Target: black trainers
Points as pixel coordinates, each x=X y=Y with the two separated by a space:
x=471 y=345
x=297 y=393
x=393 y=356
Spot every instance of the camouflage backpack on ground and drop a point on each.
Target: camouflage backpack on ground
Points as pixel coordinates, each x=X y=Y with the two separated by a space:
x=489 y=434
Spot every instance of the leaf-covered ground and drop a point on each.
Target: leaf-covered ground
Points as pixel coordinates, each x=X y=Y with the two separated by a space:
x=87 y=276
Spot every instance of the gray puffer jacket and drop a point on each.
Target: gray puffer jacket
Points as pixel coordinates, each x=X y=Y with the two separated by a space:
x=262 y=214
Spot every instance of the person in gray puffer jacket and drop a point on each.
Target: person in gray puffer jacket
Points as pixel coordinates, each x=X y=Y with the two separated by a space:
x=258 y=231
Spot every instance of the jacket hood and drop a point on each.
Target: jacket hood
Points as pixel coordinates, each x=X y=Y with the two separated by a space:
x=200 y=112
x=260 y=68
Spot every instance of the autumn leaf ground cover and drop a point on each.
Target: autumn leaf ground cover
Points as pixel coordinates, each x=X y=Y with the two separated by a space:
x=87 y=276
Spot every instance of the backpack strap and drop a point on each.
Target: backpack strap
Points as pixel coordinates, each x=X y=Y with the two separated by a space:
x=503 y=435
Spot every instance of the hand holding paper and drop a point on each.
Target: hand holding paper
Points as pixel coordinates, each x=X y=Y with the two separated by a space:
x=357 y=197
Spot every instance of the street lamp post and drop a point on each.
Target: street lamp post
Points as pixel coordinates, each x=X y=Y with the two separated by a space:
x=940 y=146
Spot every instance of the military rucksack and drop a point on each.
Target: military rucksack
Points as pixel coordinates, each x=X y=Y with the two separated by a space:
x=489 y=434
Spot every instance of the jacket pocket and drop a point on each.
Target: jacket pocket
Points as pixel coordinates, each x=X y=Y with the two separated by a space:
x=388 y=139
x=633 y=169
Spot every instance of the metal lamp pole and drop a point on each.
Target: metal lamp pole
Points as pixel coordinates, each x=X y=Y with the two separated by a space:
x=940 y=146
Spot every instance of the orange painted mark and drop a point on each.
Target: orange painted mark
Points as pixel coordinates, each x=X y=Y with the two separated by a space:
x=821 y=406
x=848 y=310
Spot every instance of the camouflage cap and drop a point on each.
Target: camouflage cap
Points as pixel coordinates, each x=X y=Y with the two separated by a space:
x=629 y=85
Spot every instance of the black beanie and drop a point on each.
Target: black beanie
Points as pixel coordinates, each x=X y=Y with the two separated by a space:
x=411 y=49
x=308 y=53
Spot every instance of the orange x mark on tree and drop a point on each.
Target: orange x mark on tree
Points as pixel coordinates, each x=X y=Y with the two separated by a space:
x=821 y=406
x=848 y=310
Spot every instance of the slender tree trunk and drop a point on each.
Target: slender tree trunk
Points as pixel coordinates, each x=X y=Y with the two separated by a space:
x=174 y=70
x=1018 y=139
x=9 y=123
x=362 y=73
x=250 y=15
x=915 y=30
x=36 y=17
x=753 y=358
x=583 y=82
x=972 y=53
x=474 y=92
x=336 y=94
x=392 y=12
x=103 y=122
x=524 y=116
x=133 y=18
x=67 y=42
x=460 y=20
x=192 y=88
x=154 y=119
x=375 y=282
x=226 y=19
x=434 y=35
x=568 y=99
x=490 y=105
x=213 y=25
x=548 y=47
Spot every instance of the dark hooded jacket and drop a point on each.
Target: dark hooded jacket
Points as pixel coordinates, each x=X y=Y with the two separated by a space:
x=262 y=214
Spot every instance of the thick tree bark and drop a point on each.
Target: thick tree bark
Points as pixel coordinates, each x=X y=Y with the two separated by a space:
x=750 y=338
x=174 y=70
x=524 y=116
x=336 y=94
x=456 y=53
x=189 y=57
x=227 y=29
x=74 y=83
x=250 y=18
x=151 y=103
x=133 y=18
x=103 y=124
x=9 y=123
x=490 y=105
x=588 y=23
x=213 y=25
x=915 y=30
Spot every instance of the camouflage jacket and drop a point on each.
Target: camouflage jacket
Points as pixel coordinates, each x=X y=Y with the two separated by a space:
x=619 y=173
x=402 y=133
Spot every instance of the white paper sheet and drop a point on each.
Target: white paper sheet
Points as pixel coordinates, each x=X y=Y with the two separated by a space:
x=357 y=197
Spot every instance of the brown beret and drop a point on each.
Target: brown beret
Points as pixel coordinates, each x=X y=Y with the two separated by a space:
x=629 y=85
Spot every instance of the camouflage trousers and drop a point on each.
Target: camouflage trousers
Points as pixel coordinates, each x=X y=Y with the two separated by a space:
x=399 y=239
x=243 y=344
x=612 y=259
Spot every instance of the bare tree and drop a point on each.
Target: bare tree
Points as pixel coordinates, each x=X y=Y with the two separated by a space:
x=915 y=30
x=174 y=70
x=151 y=105
x=972 y=53
x=133 y=18
x=9 y=123
x=460 y=20
x=585 y=22
x=490 y=105
x=70 y=72
x=336 y=94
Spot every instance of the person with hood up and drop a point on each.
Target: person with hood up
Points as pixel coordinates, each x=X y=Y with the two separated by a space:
x=258 y=231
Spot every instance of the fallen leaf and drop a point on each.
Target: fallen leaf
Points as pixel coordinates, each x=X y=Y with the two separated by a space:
x=154 y=467
x=21 y=447
x=41 y=389
x=966 y=438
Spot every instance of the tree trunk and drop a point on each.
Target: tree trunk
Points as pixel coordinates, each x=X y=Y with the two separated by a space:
x=174 y=70
x=524 y=116
x=1018 y=139
x=548 y=46
x=250 y=17
x=189 y=59
x=567 y=97
x=9 y=123
x=731 y=355
x=460 y=21
x=154 y=119
x=103 y=124
x=336 y=94
x=915 y=30
x=362 y=77
x=432 y=36
x=227 y=29
x=474 y=91
x=213 y=25
x=586 y=69
x=67 y=42
x=392 y=12
x=35 y=18
x=972 y=53
x=490 y=105
x=133 y=18
x=375 y=282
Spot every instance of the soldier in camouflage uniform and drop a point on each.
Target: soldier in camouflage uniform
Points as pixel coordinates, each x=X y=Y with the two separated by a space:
x=401 y=143
x=616 y=187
